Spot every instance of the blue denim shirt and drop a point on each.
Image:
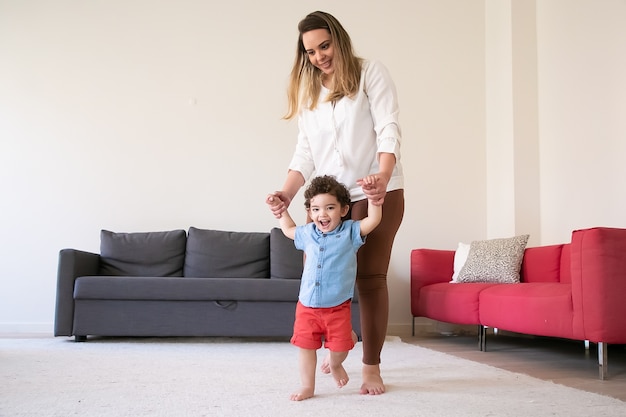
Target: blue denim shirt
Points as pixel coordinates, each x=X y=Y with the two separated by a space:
x=330 y=267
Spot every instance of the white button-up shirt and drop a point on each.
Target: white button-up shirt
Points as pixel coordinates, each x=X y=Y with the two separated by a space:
x=344 y=140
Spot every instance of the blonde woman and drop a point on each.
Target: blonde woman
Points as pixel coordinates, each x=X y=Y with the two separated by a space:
x=347 y=112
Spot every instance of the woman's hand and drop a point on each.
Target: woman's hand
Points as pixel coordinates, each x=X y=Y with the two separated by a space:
x=278 y=202
x=375 y=188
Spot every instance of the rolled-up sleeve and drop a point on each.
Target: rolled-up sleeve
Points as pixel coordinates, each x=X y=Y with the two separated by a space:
x=383 y=98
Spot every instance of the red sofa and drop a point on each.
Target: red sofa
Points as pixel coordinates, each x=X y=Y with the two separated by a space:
x=575 y=290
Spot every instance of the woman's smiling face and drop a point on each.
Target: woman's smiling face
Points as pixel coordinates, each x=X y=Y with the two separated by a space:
x=319 y=47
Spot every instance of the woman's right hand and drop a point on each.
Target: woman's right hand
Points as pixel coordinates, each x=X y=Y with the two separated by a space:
x=278 y=202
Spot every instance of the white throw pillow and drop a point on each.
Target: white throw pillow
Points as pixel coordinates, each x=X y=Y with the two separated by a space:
x=460 y=256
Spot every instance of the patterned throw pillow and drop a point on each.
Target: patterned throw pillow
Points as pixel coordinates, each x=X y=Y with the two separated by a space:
x=494 y=260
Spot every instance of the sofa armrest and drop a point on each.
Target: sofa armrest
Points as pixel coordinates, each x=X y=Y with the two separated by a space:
x=430 y=266
x=598 y=267
x=72 y=264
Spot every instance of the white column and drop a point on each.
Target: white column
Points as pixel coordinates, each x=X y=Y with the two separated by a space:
x=511 y=125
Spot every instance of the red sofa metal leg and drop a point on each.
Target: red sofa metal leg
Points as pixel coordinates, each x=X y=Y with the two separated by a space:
x=603 y=357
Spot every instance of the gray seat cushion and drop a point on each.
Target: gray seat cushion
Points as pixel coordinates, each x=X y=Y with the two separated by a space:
x=186 y=289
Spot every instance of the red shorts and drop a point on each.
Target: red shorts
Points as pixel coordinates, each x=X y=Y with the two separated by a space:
x=333 y=323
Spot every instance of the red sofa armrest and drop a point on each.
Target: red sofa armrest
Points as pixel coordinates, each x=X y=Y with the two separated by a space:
x=430 y=266
x=598 y=267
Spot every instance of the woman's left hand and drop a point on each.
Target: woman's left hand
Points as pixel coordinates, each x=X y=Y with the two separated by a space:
x=375 y=188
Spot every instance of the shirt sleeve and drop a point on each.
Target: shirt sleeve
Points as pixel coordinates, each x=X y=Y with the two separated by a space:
x=302 y=159
x=298 y=240
x=383 y=99
x=355 y=233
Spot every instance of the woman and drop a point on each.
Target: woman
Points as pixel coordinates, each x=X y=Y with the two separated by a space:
x=347 y=113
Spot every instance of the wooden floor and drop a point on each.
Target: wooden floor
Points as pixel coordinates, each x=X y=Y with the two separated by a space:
x=564 y=362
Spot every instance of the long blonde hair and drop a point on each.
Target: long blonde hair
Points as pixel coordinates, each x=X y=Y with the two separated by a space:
x=305 y=79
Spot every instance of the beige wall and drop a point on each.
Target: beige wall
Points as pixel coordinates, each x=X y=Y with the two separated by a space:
x=144 y=115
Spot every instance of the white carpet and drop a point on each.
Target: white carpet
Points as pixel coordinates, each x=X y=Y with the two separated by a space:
x=224 y=377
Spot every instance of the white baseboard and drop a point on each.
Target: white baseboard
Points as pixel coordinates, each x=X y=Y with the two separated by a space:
x=26 y=328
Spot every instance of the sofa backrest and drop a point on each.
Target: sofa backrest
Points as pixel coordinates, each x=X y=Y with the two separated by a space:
x=156 y=254
x=566 y=264
x=225 y=254
x=543 y=264
x=286 y=262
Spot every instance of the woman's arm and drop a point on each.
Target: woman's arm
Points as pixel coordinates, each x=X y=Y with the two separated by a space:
x=375 y=188
x=279 y=201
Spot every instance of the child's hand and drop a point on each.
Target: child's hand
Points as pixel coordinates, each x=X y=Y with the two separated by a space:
x=374 y=188
x=368 y=181
x=277 y=202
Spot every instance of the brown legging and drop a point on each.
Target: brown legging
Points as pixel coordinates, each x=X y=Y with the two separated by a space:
x=371 y=280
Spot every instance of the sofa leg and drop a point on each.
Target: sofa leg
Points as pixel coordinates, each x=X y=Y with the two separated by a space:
x=78 y=338
x=482 y=338
x=413 y=327
x=603 y=357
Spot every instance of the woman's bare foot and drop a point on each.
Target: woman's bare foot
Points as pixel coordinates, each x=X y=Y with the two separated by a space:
x=302 y=395
x=325 y=366
x=372 y=381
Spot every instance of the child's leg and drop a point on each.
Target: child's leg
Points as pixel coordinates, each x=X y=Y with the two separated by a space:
x=340 y=339
x=307 y=362
x=336 y=367
x=325 y=366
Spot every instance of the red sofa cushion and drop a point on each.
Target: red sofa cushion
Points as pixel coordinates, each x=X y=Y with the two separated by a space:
x=452 y=303
x=544 y=309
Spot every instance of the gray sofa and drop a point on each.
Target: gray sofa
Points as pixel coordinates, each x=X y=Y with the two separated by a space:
x=173 y=283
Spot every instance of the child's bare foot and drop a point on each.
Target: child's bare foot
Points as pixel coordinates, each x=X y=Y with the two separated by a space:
x=372 y=381
x=325 y=366
x=340 y=375
x=302 y=395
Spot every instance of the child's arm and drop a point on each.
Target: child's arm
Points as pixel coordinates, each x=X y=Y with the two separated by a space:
x=374 y=212
x=374 y=215
x=287 y=225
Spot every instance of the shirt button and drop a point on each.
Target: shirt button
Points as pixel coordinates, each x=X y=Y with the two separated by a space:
x=321 y=249
x=319 y=266
x=317 y=284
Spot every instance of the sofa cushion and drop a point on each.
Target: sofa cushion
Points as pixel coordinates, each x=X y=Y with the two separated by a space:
x=286 y=262
x=494 y=260
x=159 y=254
x=542 y=264
x=185 y=289
x=222 y=254
x=544 y=309
x=450 y=302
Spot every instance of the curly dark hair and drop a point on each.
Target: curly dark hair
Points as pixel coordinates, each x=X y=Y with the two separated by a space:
x=326 y=184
